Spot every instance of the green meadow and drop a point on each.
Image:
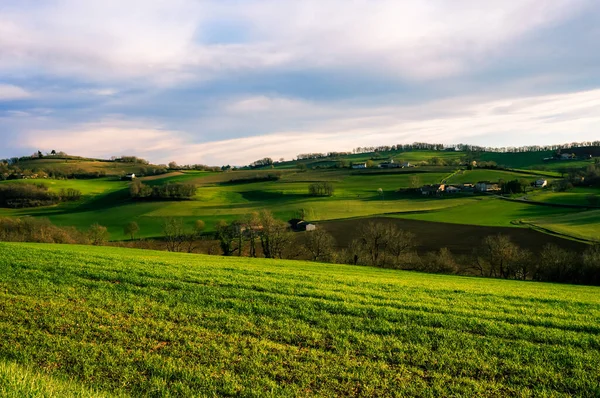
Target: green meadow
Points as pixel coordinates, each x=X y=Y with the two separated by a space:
x=89 y=321
x=358 y=193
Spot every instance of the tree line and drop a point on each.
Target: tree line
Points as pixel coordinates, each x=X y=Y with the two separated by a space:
x=379 y=244
x=34 y=195
x=169 y=191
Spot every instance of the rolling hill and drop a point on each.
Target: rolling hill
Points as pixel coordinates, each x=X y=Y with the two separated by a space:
x=86 y=321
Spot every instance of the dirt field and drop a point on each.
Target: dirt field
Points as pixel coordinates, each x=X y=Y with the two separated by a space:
x=460 y=239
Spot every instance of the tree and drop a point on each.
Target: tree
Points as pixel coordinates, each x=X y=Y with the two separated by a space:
x=174 y=234
x=173 y=165
x=98 y=234
x=320 y=245
x=131 y=229
x=226 y=235
x=400 y=242
x=370 y=163
x=499 y=251
x=380 y=193
x=275 y=236
x=323 y=188
x=554 y=264
x=373 y=241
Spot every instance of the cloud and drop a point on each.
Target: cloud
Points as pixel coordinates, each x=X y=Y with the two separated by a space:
x=507 y=122
x=231 y=81
x=10 y=92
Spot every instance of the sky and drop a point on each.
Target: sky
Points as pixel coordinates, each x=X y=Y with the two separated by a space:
x=232 y=81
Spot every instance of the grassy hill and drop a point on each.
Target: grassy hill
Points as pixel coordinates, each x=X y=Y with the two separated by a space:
x=85 y=321
x=230 y=195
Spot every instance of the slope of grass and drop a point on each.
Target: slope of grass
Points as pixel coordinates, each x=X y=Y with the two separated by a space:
x=489 y=211
x=583 y=225
x=153 y=324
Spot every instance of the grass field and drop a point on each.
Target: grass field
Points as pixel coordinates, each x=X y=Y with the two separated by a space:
x=584 y=225
x=146 y=323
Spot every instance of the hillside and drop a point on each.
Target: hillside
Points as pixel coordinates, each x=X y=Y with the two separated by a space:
x=151 y=323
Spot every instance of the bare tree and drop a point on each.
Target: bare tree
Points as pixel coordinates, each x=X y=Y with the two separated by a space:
x=499 y=251
x=400 y=242
x=174 y=234
x=275 y=236
x=320 y=244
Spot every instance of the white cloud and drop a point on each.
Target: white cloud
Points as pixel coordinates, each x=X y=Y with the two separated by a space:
x=509 y=122
x=161 y=41
x=9 y=92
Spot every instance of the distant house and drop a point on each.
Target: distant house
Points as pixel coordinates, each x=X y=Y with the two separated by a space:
x=452 y=189
x=468 y=187
x=566 y=156
x=486 y=186
x=128 y=177
x=389 y=165
x=407 y=164
x=433 y=190
x=359 y=165
x=300 y=225
x=541 y=183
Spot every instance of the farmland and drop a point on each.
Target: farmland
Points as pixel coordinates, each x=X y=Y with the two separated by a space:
x=129 y=322
x=358 y=194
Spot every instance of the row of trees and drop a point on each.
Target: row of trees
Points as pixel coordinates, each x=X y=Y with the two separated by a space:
x=34 y=195
x=379 y=244
x=170 y=191
x=323 y=188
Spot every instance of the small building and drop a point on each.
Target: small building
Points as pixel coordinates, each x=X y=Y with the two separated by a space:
x=433 y=190
x=389 y=165
x=468 y=187
x=300 y=225
x=407 y=165
x=128 y=177
x=541 y=183
x=362 y=165
x=486 y=186
x=452 y=189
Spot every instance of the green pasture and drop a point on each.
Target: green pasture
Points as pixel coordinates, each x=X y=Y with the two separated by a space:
x=576 y=196
x=88 y=321
x=489 y=211
x=476 y=175
x=90 y=166
x=583 y=225
x=356 y=194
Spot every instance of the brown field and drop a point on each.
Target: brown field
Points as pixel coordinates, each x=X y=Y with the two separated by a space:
x=460 y=239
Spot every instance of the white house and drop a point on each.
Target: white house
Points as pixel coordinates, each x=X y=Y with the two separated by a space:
x=541 y=183
x=486 y=186
x=128 y=177
x=359 y=165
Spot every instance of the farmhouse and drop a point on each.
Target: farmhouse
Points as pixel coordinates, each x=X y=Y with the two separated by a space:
x=407 y=165
x=486 y=186
x=389 y=165
x=300 y=225
x=436 y=189
x=359 y=165
x=128 y=177
x=468 y=187
x=541 y=183
x=452 y=189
